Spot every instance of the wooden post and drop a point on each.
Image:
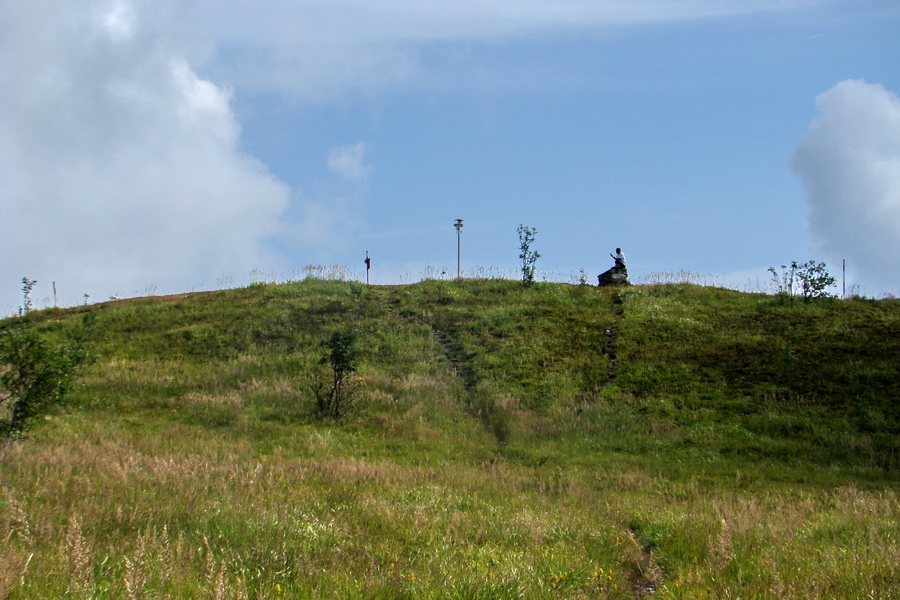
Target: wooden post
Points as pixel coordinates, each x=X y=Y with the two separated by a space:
x=843 y=278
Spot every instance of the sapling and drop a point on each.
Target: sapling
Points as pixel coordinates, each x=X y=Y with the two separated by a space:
x=526 y=254
x=27 y=285
x=333 y=398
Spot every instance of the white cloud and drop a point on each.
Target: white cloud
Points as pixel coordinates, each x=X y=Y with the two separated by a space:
x=320 y=48
x=350 y=161
x=120 y=20
x=378 y=21
x=119 y=166
x=849 y=162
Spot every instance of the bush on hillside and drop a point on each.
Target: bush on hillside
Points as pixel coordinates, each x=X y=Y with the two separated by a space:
x=334 y=392
x=808 y=280
x=34 y=376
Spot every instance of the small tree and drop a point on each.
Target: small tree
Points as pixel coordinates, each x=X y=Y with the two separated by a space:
x=33 y=376
x=333 y=393
x=812 y=279
x=27 y=285
x=526 y=254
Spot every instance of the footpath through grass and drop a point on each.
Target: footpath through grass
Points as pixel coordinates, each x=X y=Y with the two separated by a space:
x=551 y=441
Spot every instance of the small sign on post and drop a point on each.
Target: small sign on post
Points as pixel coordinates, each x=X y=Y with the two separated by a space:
x=368 y=266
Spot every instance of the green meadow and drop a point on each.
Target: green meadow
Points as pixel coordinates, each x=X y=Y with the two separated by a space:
x=505 y=441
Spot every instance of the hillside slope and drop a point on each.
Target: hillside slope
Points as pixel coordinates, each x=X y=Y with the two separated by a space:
x=552 y=441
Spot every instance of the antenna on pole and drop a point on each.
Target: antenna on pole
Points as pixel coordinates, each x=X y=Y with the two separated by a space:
x=368 y=266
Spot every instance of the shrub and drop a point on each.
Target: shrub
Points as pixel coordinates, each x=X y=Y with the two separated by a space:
x=812 y=279
x=332 y=391
x=33 y=376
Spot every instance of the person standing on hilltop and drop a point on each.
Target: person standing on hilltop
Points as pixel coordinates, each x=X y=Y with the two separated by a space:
x=619 y=258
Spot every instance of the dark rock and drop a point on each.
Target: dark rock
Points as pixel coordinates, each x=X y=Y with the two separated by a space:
x=614 y=276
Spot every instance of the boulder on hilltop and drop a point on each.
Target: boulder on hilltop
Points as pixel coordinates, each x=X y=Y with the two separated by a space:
x=614 y=276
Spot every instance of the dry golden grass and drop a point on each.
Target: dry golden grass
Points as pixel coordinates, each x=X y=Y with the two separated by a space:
x=194 y=476
x=515 y=526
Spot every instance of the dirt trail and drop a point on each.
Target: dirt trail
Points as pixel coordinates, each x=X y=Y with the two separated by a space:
x=645 y=573
x=612 y=338
x=486 y=413
x=483 y=409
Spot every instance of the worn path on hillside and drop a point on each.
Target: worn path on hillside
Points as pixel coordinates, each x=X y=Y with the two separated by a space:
x=645 y=574
x=455 y=358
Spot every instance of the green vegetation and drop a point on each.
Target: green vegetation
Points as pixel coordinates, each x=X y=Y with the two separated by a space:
x=333 y=395
x=810 y=279
x=526 y=254
x=33 y=376
x=507 y=441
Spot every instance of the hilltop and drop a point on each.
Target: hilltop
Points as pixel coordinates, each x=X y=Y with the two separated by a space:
x=551 y=441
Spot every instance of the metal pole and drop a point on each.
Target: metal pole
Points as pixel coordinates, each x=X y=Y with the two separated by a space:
x=458 y=225
x=843 y=278
x=458 y=237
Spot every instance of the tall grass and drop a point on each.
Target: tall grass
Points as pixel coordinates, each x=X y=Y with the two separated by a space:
x=689 y=441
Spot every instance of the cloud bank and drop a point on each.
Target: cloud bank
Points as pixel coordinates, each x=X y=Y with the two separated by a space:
x=119 y=166
x=317 y=49
x=849 y=162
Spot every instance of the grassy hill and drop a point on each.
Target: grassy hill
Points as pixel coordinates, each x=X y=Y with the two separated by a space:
x=553 y=441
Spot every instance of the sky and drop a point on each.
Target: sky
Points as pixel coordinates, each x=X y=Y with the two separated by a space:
x=167 y=146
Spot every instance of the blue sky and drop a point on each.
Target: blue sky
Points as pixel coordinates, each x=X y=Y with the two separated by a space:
x=161 y=147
